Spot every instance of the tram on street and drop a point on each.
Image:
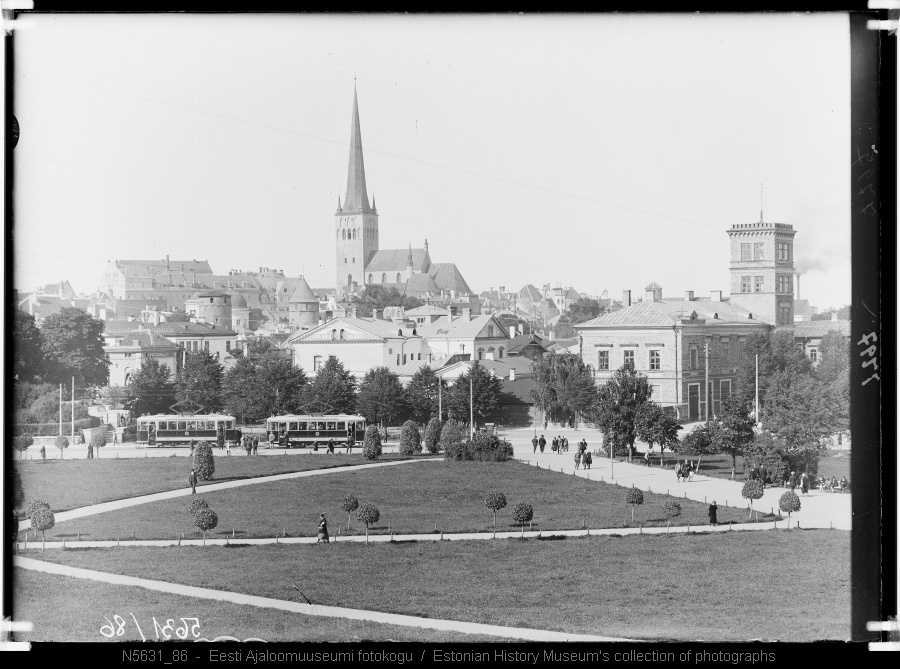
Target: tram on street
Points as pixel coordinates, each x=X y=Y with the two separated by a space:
x=176 y=430
x=303 y=431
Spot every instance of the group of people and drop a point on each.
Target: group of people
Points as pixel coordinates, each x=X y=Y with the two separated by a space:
x=583 y=455
x=250 y=444
x=832 y=484
x=760 y=473
x=684 y=471
x=802 y=482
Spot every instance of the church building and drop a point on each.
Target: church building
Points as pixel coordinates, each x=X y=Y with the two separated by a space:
x=360 y=260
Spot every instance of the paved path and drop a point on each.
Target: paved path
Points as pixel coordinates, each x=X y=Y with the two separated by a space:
x=131 y=450
x=94 y=509
x=818 y=509
x=307 y=609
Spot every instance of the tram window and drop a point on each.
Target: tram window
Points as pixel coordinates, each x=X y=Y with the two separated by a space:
x=341 y=425
x=192 y=425
x=172 y=425
x=330 y=425
x=229 y=424
x=292 y=426
x=181 y=425
x=301 y=425
x=320 y=425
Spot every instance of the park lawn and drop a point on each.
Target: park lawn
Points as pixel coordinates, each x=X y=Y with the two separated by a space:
x=654 y=587
x=73 y=609
x=70 y=484
x=413 y=498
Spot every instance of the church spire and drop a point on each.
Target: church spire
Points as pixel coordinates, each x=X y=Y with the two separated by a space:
x=356 y=200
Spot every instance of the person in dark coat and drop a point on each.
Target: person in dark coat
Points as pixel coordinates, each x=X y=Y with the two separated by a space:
x=90 y=450
x=43 y=452
x=255 y=444
x=763 y=474
x=323 y=529
x=330 y=446
x=804 y=483
x=792 y=481
x=586 y=459
x=192 y=479
x=542 y=442
x=534 y=443
x=712 y=513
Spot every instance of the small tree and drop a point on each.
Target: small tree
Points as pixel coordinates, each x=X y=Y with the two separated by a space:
x=672 y=509
x=789 y=502
x=206 y=519
x=349 y=504
x=634 y=497
x=410 y=439
x=42 y=520
x=61 y=443
x=197 y=504
x=369 y=515
x=495 y=501
x=433 y=435
x=98 y=441
x=752 y=490
x=204 y=462
x=452 y=436
x=22 y=443
x=523 y=513
x=372 y=443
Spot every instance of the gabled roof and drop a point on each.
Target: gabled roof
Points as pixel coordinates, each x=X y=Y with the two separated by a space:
x=519 y=342
x=461 y=328
x=653 y=286
x=801 y=308
x=667 y=312
x=379 y=329
x=427 y=310
x=154 y=267
x=146 y=339
x=116 y=327
x=813 y=329
x=395 y=260
x=531 y=294
x=448 y=277
x=303 y=293
x=420 y=284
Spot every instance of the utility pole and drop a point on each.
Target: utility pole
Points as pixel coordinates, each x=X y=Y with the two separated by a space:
x=708 y=398
x=471 y=409
x=757 y=389
x=73 y=410
x=60 y=409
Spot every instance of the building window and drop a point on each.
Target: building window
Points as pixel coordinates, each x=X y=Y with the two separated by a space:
x=317 y=363
x=500 y=352
x=695 y=357
x=420 y=356
x=629 y=357
x=784 y=315
x=398 y=277
x=333 y=335
x=603 y=360
x=342 y=334
x=758 y=284
x=227 y=346
x=745 y=253
x=784 y=283
x=784 y=251
x=345 y=260
x=480 y=353
x=745 y=284
x=206 y=346
x=726 y=351
x=725 y=389
x=490 y=330
x=813 y=356
x=398 y=360
x=654 y=360
x=758 y=251
x=353 y=260
x=370 y=278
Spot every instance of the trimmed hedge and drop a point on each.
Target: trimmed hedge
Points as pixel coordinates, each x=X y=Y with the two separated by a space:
x=410 y=439
x=204 y=462
x=372 y=443
x=433 y=435
x=483 y=447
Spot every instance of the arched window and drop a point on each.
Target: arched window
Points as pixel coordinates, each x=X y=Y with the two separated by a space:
x=343 y=234
x=342 y=333
x=480 y=353
x=398 y=277
x=400 y=333
x=384 y=278
x=349 y=279
x=501 y=352
x=370 y=278
x=333 y=335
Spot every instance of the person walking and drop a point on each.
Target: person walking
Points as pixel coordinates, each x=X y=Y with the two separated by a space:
x=555 y=446
x=712 y=513
x=323 y=530
x=43 y=452
x=330 y=446
x=542 y=442
x=192 y=479
x=255 y=443
x=271 y=440
x=90 y=453
x=678 y=471
x=647 y=458
x=804 y=483
x=239 y=440
x=577 y=459
x=763 y=474
x=792 y=481
x=586 y=459
x=534 y=443
x=566 y=444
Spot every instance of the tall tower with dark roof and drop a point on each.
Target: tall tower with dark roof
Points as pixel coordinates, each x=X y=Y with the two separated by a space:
x=356 y=223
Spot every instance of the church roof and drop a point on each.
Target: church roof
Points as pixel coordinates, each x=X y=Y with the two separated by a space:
x=531 y=293
x=356 y=200
x=447 y=277
x=420 y=284
x=394 y=260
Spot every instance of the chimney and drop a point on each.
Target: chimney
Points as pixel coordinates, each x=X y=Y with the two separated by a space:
x=834 y=315
x=626 y=298
x=512 y=373
x=467 y=313
x=502 y=289
x=689 y=295
x=798 y=286
x=716 y=296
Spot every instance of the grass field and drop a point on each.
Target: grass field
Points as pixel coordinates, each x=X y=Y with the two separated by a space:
x=71 y=609
x=70 y=484
x=665 y=587
x=412 y=498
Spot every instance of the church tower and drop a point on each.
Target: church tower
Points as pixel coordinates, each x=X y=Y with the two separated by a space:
x=762 y=270
x=355 y=222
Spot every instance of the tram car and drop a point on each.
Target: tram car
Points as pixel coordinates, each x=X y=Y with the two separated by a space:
x=175 y=430
x=307 y=430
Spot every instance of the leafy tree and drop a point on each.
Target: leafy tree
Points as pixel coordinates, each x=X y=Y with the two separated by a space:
x=655 y=425
x=18 y=496
x=523 y=512
x=61 y=443
x=752 y=490
x=73 y=346
x=833 y=373
x=331 y=391
x=200 y=382
x=482 y=446
x=734 y=429
x=583 y=309
x=789 y=503
x=379 y=297
x=349 y=504
x=372 y=443
x=486 y=391
x=617 y=405
x=421 y=395
x=239 y=389
x=671 y=509
x=368 y=514
x=777 y=353
x=495 y=500
x=27 y=347
x=769 y=451
x=410 y=439
x=98 y=441
x=152 y=390
x=204 y=462
x=452 y=436
x=700 y=440
x=433 y=435
x=380 y=398
x=278 y=387
x=206 y=519
x=563 y=386
x=42 y=519
x=634 y=497
x=197 y=503
x=22 y=443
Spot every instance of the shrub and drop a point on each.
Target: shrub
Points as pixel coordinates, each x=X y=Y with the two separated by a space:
x=22 y=443
x=752 y=490
x=433 y=435
x=789 y=503
x=196 y=504
x=204 y=462
x=634 y=497
x=205 y=519
x=452 y=436
x=42 y=520
x=61 y=443
x=87 y=423
x=489 y=448
x=368 y=514
x=349 y=504
x=35 y=505
x=371 y=443
x=697 y=441
x=410 y=439
x=672 y=509
x=98 y=440
x=495 y=500
x=523 y=513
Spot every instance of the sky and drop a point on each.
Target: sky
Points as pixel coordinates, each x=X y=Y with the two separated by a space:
x=602 y=152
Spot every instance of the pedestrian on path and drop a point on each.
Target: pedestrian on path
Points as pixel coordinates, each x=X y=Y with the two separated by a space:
x=542 y=442
x=712 y=513
x=679 y=472
x=763 y=474
x=192 y=479
x=534 y=443
x=792 y=481
x=555 y=446
x=255 y=444
x=586 y=459
x=647 y=458
x=323 y=529
x=330 y=446
x=577 y=459
x=804 y=483
x=271 y=440
x=565 y=444
x=43 y=452
x=90 y=451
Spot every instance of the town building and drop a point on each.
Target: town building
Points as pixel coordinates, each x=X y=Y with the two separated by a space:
x=480 y=337
x=133 y=348
x=808 y=334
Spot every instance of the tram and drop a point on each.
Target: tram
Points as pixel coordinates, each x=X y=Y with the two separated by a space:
x=307 y=430
x=175 y=430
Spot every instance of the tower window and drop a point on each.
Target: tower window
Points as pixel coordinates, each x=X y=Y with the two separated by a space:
x=758 y=284
x=745 y=284
x=758 y=251
x=745 y=253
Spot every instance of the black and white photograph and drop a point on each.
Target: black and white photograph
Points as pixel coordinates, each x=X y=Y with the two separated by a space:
x=439 y=328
